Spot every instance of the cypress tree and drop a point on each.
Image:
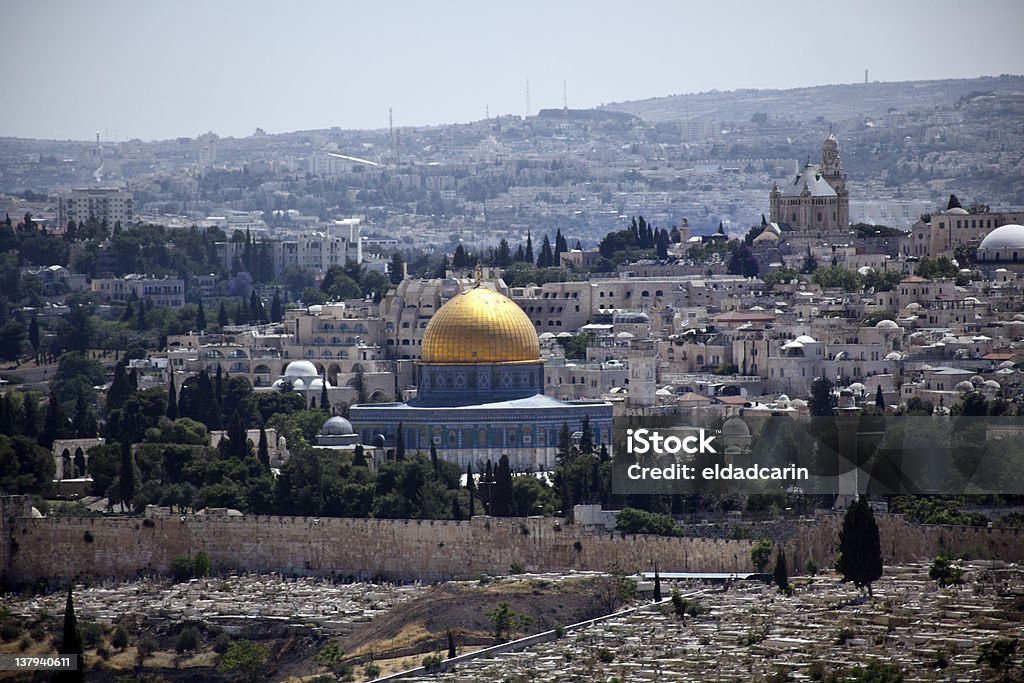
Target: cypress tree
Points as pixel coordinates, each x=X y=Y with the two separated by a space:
x=860 y=548
x=502 y=501
x=451 y=645
x=359 y=456
x=400 y=443
x=560 y=247
x=781 y=573
x=218 y=385
x=324 y=401
x=128 y=314
x=528 y=255
x=544 y=260
x=587 y=436
x=222 y=316
x=471 y=487
x=276 y=308
x=214 y=420
x=880 y=398
x=71 y=643
x=201 y=317
x=33 y=335
x=433 y=455
x=119 y=389
x=133 y=382
x=456 y=509
x=564 y=442
x=172 y=400
x=7 y=421
x=657 y=585
x=263 y=449
x=30 y=415
x=54 y=424
x=140 y=318
x=85 y=419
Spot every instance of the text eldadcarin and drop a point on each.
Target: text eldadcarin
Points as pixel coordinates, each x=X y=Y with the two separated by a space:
x=649 y=442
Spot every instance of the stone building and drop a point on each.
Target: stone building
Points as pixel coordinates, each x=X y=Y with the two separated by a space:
x=480 y=391
x=817 y=198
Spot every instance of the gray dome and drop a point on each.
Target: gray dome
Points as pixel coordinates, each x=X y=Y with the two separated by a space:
x=1006 y=236
x=336 y=426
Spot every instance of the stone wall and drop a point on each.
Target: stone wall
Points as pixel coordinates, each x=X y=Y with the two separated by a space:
x=62 y=549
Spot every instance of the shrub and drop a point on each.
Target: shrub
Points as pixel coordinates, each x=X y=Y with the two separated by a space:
x=24 y=643
x=371 y=670
x=104 y=652
x=811 y=567
x=92 y=633
x=634 y=521
x=182 y=569
x=188 y=640
x=432 y=662
x=843 y=635
x=9 y=632
x=606 y=655
x=201 y=565
x=120 y=637
x=221 y=643
x=146 y=646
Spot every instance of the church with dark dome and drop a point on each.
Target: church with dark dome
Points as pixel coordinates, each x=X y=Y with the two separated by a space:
x=480 y=391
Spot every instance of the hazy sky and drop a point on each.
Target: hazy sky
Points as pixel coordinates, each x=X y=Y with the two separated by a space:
x=150 y=69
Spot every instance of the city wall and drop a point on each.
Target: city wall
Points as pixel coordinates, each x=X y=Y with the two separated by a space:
x=61 y=549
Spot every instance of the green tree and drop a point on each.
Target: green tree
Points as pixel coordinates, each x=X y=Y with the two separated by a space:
x=821 y=397
x=71 y=643
x=222 y=316
x=879 y=398
x=502 y=502
x=333 y=657
x=24 y=466
x=396 y=268
x=760 y=554
x=245 y=658
x=55 y=425
x=860 y=548
x=504 y=621
x=998 y=655
x=953 y=203
x=172 y=399
x=400 y=443
x=276 y=308
x=780 y=575
x=201 y=317
x=127 y=476
x=12 y=340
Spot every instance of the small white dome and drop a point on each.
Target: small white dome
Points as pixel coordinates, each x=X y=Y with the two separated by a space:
x=992 y=384
x=956 y=211
x=913 y=306
x=782 y=398
x=298 y=384
x=977 y=379
x=964 y=386
x=857 y=386
x=893 y=355
x=1006 y=364
x=806 y=339
x=300 y=368
x=886 y=325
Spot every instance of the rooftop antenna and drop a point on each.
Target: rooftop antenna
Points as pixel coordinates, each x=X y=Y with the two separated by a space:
x=565 y=97
x=528 y=97
x=865 y=76
x=391 y=132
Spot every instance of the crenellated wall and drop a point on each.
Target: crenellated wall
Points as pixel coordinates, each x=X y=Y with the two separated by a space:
x=60 y=549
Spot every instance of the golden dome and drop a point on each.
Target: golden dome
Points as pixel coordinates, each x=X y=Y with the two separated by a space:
x=480 y=326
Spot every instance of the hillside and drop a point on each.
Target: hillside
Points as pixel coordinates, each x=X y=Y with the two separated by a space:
x=833 y=102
